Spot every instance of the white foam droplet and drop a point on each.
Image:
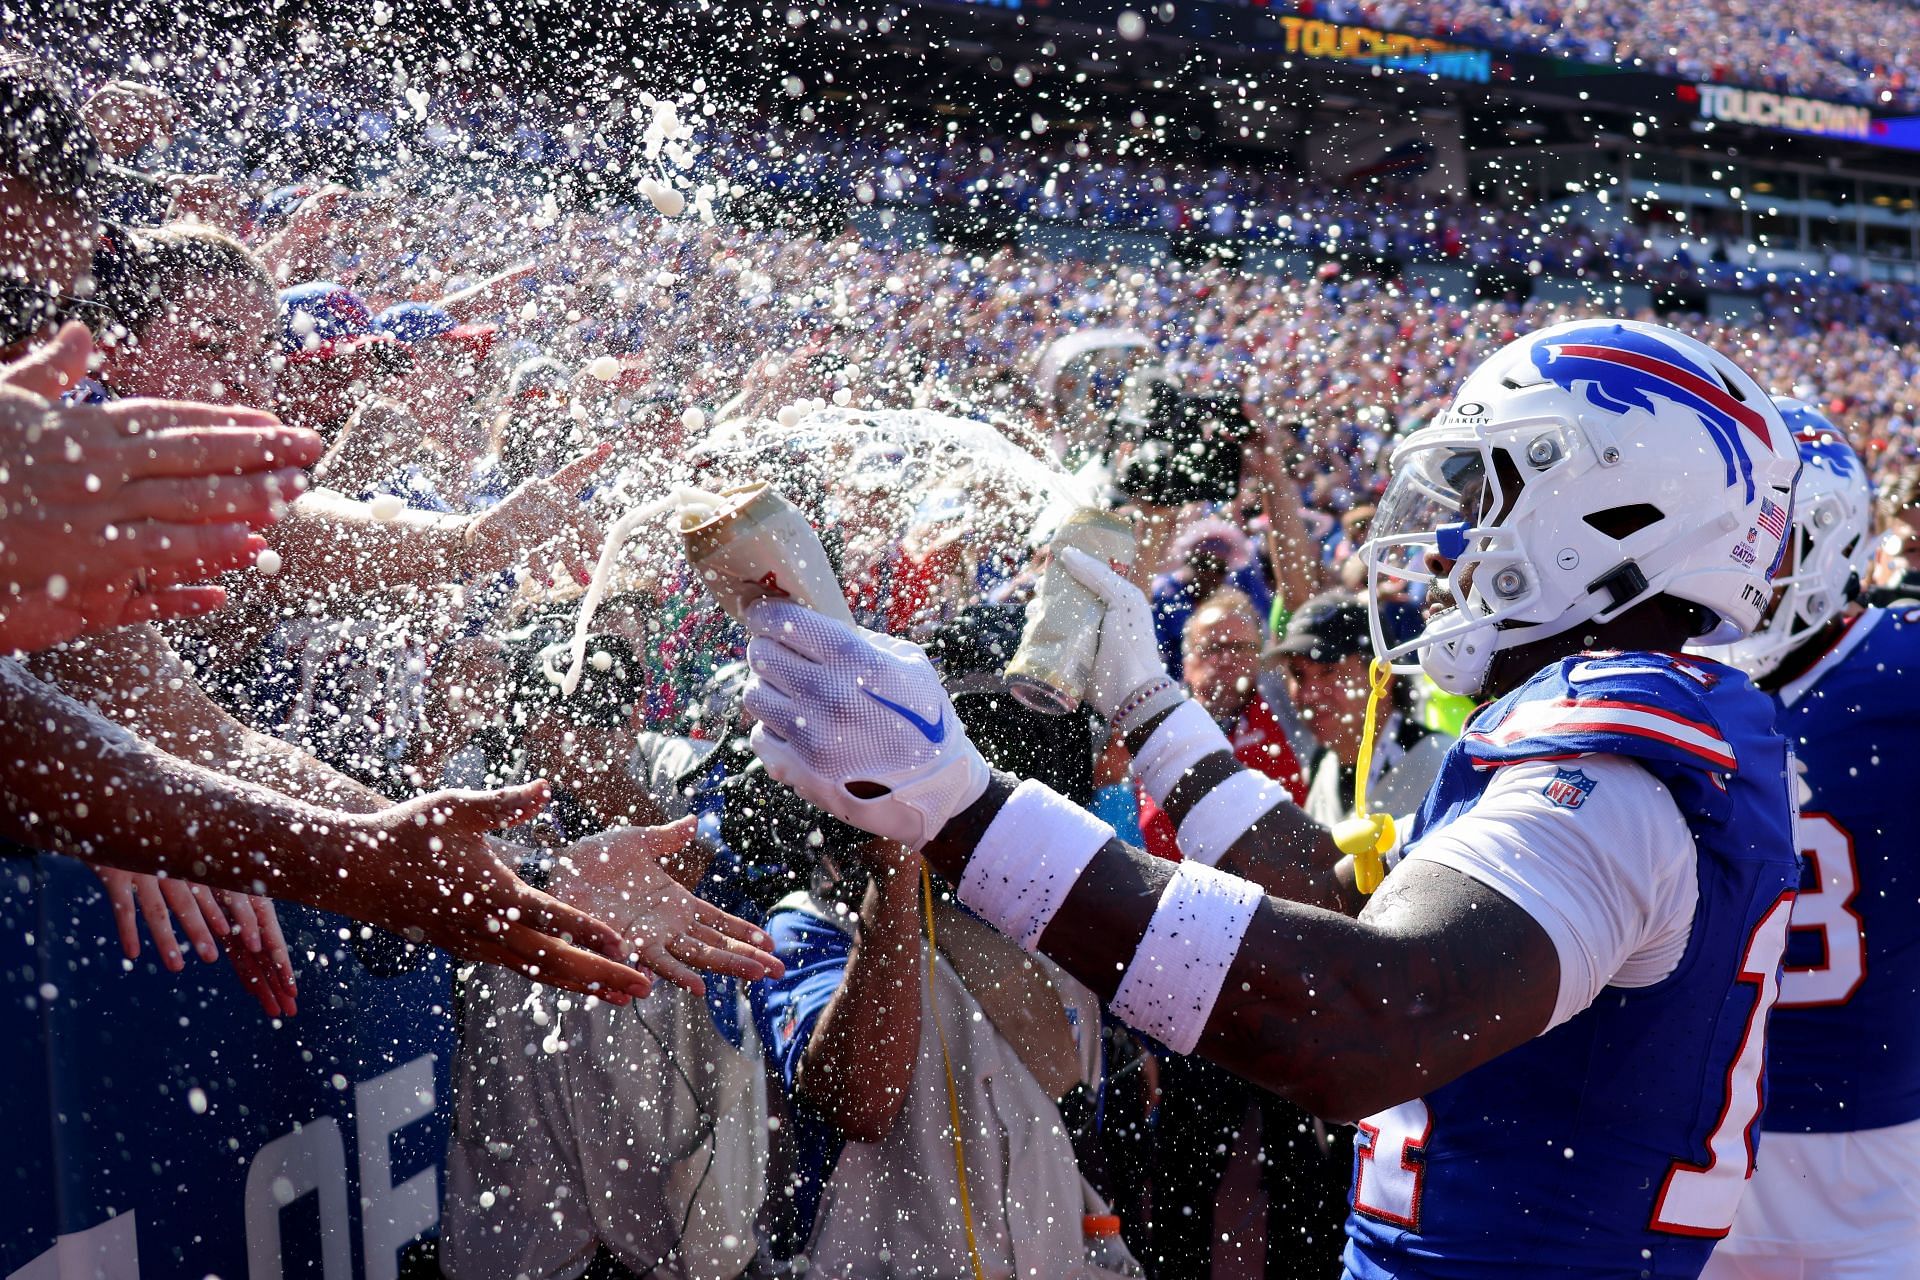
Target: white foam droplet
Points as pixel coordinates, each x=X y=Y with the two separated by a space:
x=602 y=661
x=387 y=506
x=668 y=200
x=843 y=397
x=267 y=562
x=605 y=368
x=694 y=419
x=790 y=414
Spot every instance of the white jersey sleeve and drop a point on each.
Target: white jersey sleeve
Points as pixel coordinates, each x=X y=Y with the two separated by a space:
x=1603 y=861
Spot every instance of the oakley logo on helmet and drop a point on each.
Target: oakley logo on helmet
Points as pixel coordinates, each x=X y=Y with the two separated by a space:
x=1623 y=369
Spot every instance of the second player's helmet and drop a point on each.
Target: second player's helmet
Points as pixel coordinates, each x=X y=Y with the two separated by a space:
x=1580 y=471
x=1827 y=559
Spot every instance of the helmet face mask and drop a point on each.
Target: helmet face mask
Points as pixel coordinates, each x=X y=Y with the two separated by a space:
x=1579 y=472
x=1829 y=547
x=1439 y=526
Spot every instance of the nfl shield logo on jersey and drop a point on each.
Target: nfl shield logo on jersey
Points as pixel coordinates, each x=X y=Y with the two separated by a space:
x=1569 y=788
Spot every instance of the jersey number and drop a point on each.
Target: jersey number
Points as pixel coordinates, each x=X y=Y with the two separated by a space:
x=1390 y=1164
x=1827 y=907
x=1699 y=1199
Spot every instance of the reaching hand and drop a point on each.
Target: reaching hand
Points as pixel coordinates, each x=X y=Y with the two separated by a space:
x=39 y=620
x=544 y=515
x=105 y=510
x=620 y=876
x=489 y=295
x=426 y=871
x=248 y=924
x=1128 y=658
x=261 y=960
x=125 y=117
x=858 y=724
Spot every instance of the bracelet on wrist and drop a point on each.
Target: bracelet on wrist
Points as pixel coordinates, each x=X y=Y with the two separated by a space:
x=1135 y=700
x=1150 y=699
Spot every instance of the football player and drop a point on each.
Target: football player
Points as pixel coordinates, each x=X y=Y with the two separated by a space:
x=1548 y=1020
x=1835 y=1192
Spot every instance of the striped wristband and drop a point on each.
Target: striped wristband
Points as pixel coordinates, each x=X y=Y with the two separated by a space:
x=1176 y=744
x=1223 y=815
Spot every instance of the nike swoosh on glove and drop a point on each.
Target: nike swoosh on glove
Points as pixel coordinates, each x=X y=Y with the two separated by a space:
x=858 y=724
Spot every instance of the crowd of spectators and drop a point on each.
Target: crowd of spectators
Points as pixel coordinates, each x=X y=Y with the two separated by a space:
x=243 y=125
x=466 y=388
x=1858 y=51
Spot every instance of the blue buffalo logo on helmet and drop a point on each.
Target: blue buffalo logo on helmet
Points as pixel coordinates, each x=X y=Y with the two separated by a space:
x=1822 y=447
x=1623 y=369
x=1818 y=440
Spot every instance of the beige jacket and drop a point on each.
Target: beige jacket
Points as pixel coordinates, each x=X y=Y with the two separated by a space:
x=890 y=1208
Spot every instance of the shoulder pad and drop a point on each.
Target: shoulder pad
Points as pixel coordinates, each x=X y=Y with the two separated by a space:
x=1654 y=707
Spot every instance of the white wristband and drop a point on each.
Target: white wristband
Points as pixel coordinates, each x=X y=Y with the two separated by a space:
x=1223 y=815
x=1028 y=860
x=1176 y=744
x=1169 y=989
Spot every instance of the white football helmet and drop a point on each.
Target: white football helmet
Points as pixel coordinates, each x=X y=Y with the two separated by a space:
x=1580 y=471
x=1832 y=516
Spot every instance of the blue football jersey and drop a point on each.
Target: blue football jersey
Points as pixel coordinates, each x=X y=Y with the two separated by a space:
x=1843 y=1053
x=1618 y=1143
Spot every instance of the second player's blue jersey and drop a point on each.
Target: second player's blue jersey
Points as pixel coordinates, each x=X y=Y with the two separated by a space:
x=1844 y=1051
x=1618 y=1143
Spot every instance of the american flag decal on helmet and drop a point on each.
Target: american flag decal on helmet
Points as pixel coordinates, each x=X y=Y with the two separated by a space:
x=1772 y=518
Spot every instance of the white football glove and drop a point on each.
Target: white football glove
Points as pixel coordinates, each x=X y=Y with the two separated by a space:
x=858 y=724
x=1128 y=659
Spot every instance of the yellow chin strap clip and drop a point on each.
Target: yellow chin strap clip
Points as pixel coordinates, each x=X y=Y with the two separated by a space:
x=1366 y=837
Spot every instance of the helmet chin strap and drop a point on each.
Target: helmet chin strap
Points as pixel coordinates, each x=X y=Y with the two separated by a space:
x=1460 y=666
